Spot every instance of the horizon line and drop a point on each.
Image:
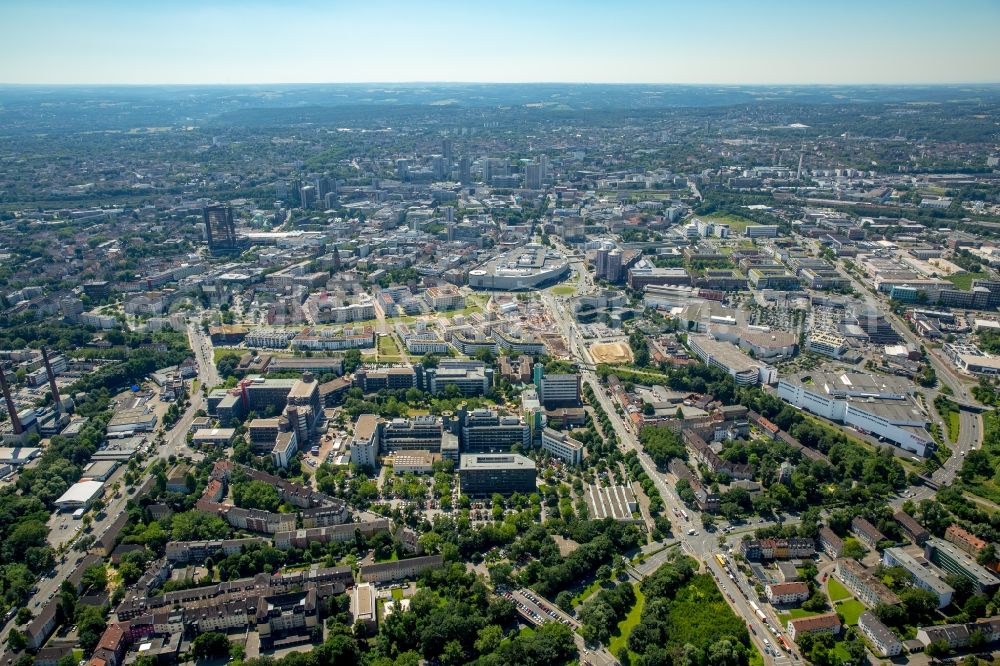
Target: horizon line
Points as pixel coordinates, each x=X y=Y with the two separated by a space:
x=108 y=84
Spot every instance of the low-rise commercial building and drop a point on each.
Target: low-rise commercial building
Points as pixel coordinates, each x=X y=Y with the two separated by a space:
x=920 y=573
x=562 y=446
x=951 y=559
x=728 y=358
x=506 y=474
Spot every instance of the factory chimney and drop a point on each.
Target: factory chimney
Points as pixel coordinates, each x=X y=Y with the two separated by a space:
x=52 y=379
x=11 y=409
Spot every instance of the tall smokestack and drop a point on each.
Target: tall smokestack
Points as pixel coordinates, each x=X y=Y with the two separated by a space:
x=11 y=409
x=52 y=378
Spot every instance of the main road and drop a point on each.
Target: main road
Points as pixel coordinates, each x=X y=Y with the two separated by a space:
x=692 y=538
x=174 y=442
x=970 y=432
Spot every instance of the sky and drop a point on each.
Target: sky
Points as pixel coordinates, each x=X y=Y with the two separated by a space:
x=608 y=41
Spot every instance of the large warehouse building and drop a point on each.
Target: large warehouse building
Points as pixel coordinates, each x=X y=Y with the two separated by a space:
x=881 y=406
x=528 y=267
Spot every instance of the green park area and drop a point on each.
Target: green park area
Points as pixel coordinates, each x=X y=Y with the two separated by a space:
x=836 y=590
x=388 y=350
x=963 y=281
x=736 y=223
x=851 y=610
x=625 y=627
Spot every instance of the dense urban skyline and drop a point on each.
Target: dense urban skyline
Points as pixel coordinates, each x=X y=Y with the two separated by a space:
x=778 y=42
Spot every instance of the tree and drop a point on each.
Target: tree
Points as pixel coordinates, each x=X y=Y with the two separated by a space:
x=256 y=495
x=920 y=605
x=24 y=616
x=210 y=644
x=16 y=640
x=90 y=624
x=938 y=648
x=95 y=578
x=488 y=639
x=853 y=549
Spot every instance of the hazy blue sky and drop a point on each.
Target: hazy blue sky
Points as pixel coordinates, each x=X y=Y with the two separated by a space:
x=695 y=41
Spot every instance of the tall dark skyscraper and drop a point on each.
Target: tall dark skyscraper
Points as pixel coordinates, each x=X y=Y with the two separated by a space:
x=464 y=171
x=220 y=231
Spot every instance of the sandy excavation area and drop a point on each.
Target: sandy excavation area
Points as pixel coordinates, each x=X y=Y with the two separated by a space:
x=611 y=352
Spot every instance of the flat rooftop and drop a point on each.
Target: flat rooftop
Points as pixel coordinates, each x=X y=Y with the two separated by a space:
x=365 y=427
x=496 y=461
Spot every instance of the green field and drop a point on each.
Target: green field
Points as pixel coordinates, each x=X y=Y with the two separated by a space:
x=963 y=281
x=795 y=614
x=851 y=610
x=466 y=311
x=219 y=352
x=586 y=592
x=841 y=652
x=836 y=591
x=736 y=223
x=626 y=626
x=953 y=426
x=564 y=290
x=397 y=594
x=387 y=346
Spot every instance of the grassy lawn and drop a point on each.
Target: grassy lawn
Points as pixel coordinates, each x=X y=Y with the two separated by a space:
x=795 y=614
x=397 y=594
x=564 y=290
x=836 y=590
x=471 y=309
x=963 y=281
x=756 y=658
x=586 y=592
x=736 y=224
x=851 y=610
x=219 y=352
x=387 y=345
x=953 y=426
x=392 y=558
x=841 y=652
x=626 y=626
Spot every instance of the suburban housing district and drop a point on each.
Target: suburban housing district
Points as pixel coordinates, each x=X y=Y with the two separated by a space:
x=609 y=380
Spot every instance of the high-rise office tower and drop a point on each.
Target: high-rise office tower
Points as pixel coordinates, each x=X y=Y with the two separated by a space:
x=220 y=231
x=601 y=263
x=614 y=266
x=446 y=148
x=403 y=169
x=308 y=196
x=464 y=170
x=533 y=176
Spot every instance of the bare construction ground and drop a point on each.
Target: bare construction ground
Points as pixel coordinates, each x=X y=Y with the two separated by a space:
x=611 y=352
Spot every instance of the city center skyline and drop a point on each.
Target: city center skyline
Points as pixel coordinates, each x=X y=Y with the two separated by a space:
x=227 y=42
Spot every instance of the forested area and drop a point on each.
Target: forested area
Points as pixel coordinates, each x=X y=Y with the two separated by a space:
x=686 y=620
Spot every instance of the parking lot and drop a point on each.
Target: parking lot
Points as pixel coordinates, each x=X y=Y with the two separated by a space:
x=539 y=610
